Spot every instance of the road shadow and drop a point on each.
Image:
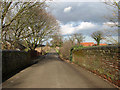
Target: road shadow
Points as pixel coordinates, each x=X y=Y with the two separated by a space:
x=35 y=61
x=41 y=60
x=49 y=57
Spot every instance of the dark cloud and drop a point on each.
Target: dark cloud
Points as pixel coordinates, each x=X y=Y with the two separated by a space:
x=91 y=12
x=81 y=11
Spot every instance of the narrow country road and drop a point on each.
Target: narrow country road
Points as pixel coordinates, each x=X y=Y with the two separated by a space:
x=51 y=72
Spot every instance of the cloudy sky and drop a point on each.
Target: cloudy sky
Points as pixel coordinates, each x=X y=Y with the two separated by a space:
x=82 y=17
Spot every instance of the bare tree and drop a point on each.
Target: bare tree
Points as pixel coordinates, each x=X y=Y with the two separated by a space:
x=29 y=22
x=41 y=27
x=115 y=18
x=12 y=13
x=97 y=36
x=115 y=8
x=71 y=39
x=56 y=40
x=79 y=37
x=65 y=49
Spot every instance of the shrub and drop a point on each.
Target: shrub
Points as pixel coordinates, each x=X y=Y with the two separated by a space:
x=65 y=49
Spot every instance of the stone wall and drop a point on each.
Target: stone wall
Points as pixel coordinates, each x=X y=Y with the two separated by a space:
x=102 y=60
x=13 y=61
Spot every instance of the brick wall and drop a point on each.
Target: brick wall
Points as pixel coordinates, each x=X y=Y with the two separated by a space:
x=102 y=60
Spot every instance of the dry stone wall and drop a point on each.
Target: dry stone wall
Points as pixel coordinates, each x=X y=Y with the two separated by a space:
x=102 y=60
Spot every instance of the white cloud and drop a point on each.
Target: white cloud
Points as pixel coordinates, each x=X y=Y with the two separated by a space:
x=67 y=29
x=70 y=29
x=68 y=9
x=87 y=28
x=86 y=25
x=110 y=23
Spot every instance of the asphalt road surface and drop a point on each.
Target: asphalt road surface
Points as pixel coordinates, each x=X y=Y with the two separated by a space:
x=51 y=72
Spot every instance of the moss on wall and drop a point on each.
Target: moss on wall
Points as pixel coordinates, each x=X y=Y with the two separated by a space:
x=102 y=60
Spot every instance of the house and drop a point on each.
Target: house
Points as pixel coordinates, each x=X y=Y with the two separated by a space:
x=92 y=44
x=103 y=44
x=39 y=48
x=87 y=43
